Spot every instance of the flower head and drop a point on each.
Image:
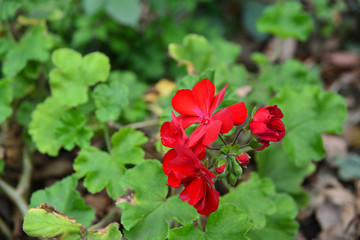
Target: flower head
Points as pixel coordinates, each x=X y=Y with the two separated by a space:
x=267 y=125
x=183 y=167
x=243 y=159
x=198 y=105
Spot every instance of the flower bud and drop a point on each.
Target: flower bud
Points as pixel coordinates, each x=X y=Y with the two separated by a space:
x=220 y=169
x=237 y=170
x=231 y=178
x=243 y=159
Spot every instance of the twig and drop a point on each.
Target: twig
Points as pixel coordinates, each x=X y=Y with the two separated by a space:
x=109 y=217
x=4 y=228
x=216 y=149
x=237 y=136
x=25 y=179
x=14 y=196
x=222 y=139
x=146 y=123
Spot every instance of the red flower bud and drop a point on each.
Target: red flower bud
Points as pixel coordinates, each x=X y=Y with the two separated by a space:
x=243 y=159
x=267 y=125
x=220 y=169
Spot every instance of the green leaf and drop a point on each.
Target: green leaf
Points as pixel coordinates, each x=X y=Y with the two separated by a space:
x=63 y=196
x=109 y=100
x=2 y=166
x=286 y=20
x=226 y=223
x=253 y=198
x=70 y=80
x=23 y=114
x=225 y=51
x=92 y=6
x=281 y=225
x=102 y=169
x=109 y=233
x=70 y=130
x=195 y=53
x=148 y=218
x=33 y=46
x=123 y=11
x=349 y=167
x=6 y=97
x=43 y=125
x=309 y=112
x=49 y=223
x=275 y=163
x=8 y=9
x=291 y=73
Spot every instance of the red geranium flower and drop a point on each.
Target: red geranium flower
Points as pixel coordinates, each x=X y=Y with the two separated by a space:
x=182 y=166
x=197 y=106
x=173 y=134
x=267 y=125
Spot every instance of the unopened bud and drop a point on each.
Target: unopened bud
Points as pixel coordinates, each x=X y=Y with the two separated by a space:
x=243 y=159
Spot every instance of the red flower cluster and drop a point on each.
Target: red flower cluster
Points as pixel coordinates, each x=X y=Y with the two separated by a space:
x=183 y=164
x=266 y=124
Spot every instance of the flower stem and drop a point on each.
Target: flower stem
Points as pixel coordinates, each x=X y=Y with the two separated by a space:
x=237 y=136
x=222 y=139
x=216 y=149
x=246 y=148
x=4 y=228
x=111 y=216
x=107 y=137
x=199 y=223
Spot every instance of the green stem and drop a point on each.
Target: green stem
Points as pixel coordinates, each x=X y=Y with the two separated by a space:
x=237 y=136
x=15 y=196
x=107 y=137
x=199 y=223
x=4 y=228
x=223 y=140
x=245 y=148
x=111 y=216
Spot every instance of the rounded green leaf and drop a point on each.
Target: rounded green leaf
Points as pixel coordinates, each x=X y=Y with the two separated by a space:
x=43 y=125
x=6 y=97
x=63 y=196
x=275 y=163
x=109 y=100
x=71 y=130
x=70 y=80
x=148 y=218
x=39 y=222
x=309 y=112
x=286 y=20
x=254 y=198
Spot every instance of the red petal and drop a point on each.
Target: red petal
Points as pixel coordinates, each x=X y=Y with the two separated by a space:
x=259 y=128
x=212 y=131
x=184 y=103
x=186 y=121
x=211 y=201
x=203 y=93
x=275 y=111
x=220 y=169
x=226 y=118
x=262 y=115
x=218 y=98
x=239 y=112
x=193 y=192
x=196 y=135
